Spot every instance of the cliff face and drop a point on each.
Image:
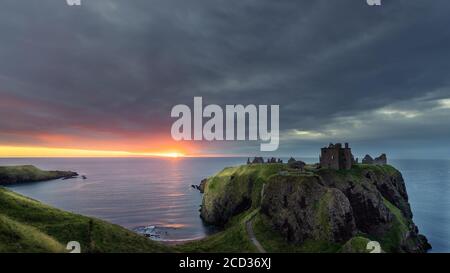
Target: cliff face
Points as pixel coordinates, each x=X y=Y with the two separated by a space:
x=319 y=204
x=301 y=208
x=233 y=191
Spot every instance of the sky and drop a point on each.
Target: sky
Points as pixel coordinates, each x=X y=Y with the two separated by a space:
x=102 y=78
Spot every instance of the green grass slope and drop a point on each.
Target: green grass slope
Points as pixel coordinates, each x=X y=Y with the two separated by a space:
x=233 y=181
x=27 y=225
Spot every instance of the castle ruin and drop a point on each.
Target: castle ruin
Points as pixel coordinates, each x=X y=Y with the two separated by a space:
x=381 y=160
x=337 y=157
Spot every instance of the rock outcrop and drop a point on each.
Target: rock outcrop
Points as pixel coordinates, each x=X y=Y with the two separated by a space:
x=202 y=185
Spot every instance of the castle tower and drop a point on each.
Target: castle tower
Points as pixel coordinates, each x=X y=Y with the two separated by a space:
x=337 y=158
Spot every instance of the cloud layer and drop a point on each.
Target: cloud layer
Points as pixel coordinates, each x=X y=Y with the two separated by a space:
x=107 y=73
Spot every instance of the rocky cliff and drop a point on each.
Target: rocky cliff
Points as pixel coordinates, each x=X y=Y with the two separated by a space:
x=316 y=204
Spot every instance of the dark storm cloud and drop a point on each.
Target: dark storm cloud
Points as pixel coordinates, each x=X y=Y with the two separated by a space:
x=333 y=66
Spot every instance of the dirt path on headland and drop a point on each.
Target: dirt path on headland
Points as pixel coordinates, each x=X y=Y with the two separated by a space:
x=249 y=227
x=251 y=235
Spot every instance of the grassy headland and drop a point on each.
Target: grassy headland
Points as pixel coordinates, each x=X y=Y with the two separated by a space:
x=10 y=175
x=315 y=210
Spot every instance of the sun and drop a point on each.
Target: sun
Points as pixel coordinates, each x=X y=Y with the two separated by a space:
x=174 y=154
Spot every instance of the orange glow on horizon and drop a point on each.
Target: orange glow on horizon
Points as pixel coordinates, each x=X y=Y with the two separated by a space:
x=19 y=151
x=174 y=154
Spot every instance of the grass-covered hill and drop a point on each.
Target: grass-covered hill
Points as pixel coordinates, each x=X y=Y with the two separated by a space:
x=27 y=225
x=23 y=174
x=315 y=210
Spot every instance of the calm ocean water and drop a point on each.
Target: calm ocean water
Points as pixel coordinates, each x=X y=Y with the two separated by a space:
x=143 y=192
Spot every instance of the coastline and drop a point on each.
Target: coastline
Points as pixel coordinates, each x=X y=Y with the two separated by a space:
x=193 y=242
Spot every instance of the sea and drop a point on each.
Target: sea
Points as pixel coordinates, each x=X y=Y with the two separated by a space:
x=154 y=196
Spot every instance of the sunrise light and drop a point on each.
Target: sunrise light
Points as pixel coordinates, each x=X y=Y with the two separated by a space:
x=175 y=154
x=16 y=151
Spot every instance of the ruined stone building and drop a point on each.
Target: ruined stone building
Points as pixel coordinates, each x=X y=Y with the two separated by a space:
x=336 y=157
x=381 y=160
x=296 y=164
x=367 y=160
x=260 y=160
